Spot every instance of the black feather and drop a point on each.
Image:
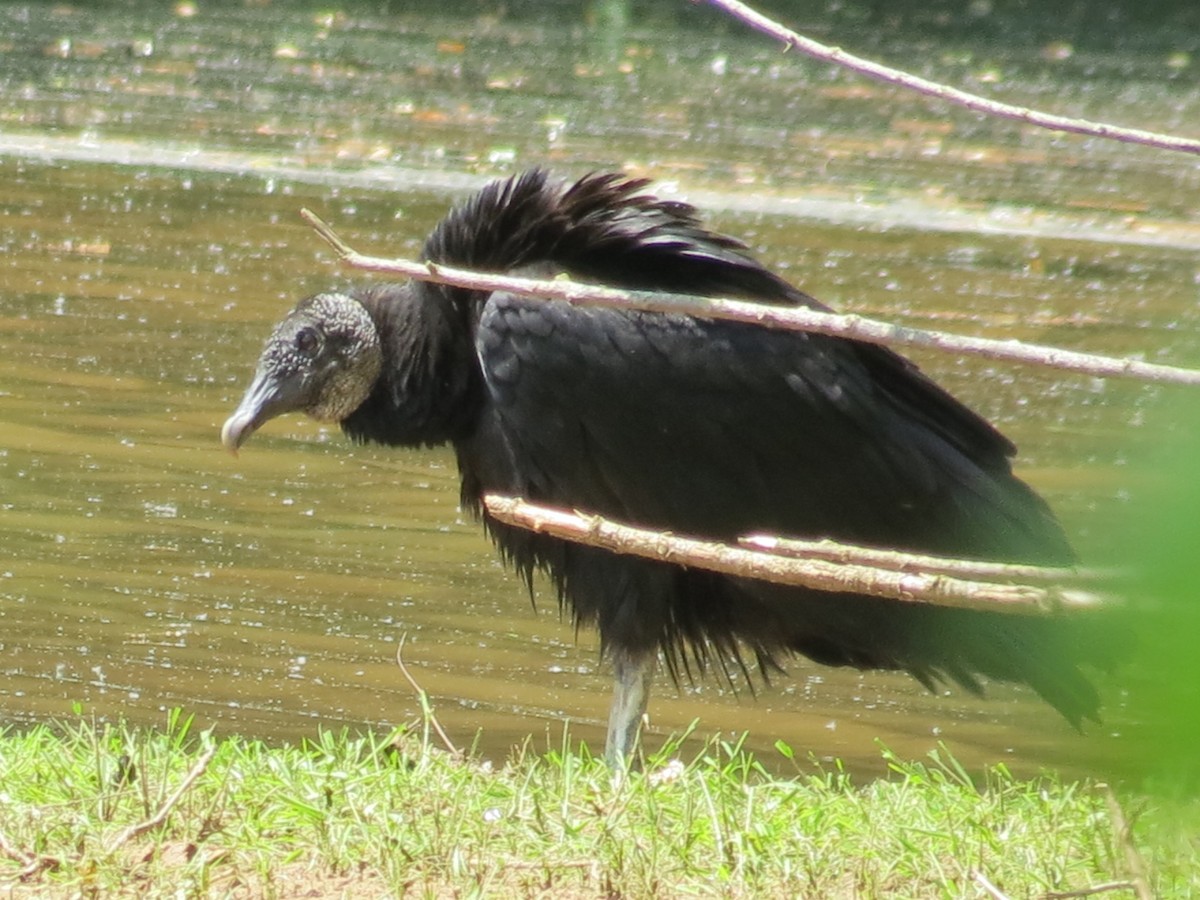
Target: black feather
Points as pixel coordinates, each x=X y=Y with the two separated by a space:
x=707 y=428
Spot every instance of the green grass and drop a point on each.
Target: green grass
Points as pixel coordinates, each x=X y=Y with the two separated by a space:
x=363 y=816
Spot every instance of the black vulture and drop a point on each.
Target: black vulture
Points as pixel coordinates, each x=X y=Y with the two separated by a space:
x=698 y=427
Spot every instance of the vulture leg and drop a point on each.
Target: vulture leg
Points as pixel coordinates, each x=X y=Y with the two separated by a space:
x=632 y=672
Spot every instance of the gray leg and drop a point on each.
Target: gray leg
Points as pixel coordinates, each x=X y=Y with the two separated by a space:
x=632 y=673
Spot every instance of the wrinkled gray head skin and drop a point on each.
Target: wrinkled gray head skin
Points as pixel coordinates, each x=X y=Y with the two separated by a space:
x=323 y=360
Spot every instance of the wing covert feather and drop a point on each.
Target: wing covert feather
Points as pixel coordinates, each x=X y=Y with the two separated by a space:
x=739 y=429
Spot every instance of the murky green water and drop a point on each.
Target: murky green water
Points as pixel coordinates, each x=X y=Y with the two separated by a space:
x=152 y=170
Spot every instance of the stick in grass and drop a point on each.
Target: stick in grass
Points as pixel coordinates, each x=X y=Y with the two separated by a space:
x=30 y=863
x=160 y=817
x=1092 y=891
x=990 y=889
x=426 y=707
x=15 y=853
x=1123 y=833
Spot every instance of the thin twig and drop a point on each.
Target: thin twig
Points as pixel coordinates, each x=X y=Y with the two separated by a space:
x=1123 y=833
x=30 y=863
x=160 y=817
x=15 y=853
x=912 y=587
x=837 y=552
x=426 y=707
x=984 y=882
x=879 y=72
x=1104 y=888
x=325 y=230
x=785 y=317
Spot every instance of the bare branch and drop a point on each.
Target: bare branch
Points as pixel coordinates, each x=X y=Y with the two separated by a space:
x=833 y=551
x=818 y=574
x=169 y=804
x=879 y=72
x=784 y=317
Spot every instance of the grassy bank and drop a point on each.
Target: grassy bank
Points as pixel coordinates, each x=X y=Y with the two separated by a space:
x=107 y=811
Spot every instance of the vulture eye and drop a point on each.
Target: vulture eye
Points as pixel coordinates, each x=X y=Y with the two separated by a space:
x=307 y=341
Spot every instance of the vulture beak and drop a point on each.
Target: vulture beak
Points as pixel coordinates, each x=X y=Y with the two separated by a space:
x=266 y=398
